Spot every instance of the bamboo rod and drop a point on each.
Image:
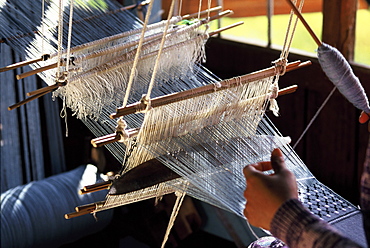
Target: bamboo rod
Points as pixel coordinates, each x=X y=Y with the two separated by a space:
x=107 y=139
x=33 y=72
x=94 y=55
x=188 y=16
x=105 y=184
x=121 y=35
x=305 y=24
x=113 y=137
x=24 y=63
x=84 y=209
x=183 y=95
x=95 y=187
x=288 y=90
x=151 y=38
x=221 y=109
x=217 y=31
x=76 y=214
x=27 y=100
x=104 y=140
x=44 y=89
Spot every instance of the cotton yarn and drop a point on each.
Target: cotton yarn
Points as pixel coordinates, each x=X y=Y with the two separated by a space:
x=340 y=73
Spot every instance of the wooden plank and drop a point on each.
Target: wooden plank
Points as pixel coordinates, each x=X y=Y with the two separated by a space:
x=339 y=25
x=245 y=8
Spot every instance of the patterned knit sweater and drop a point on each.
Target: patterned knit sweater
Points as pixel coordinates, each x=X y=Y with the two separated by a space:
x=310 y=231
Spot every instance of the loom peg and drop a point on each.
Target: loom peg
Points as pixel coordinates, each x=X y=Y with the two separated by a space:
x=27 y=100
x=88 y=207
x=95 y=187
x=288 y=90
x=24 y=63
x=113 y=137
x=85 y=209
x=105 y=140
x=73 y=215
x=33 y=72
x=54 y=65
x=46 y=89
x=207 y=89
x=217 y=31
x=189 y=16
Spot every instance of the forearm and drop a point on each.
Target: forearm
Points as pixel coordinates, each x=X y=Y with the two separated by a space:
x=297 y=227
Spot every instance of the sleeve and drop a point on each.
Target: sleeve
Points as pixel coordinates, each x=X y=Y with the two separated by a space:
x=365 y=194
x=298 y=228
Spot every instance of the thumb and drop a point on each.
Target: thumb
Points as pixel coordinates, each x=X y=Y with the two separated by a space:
x=364 y=117
x=249 y=170
x=277 y=160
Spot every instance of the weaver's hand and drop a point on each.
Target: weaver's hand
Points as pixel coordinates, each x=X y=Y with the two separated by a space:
x=363 y=117
x=266 y=193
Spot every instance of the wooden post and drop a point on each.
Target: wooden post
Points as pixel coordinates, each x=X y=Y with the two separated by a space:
x=339 y=25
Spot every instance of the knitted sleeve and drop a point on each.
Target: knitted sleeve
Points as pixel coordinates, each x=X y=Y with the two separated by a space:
x=365 y=194
x=298 y=228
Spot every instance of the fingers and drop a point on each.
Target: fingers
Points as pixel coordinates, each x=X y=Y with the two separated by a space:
x=277 y=160
x=249 y=170
x=364 y=117
x=253 y=168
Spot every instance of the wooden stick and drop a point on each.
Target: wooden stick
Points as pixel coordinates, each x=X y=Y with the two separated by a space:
x=217 y=31
x=94 y=55
x=220 y=15
x=299 y=15
x=76 y=214
x=27 y=100
x=113 y=137
x=183 y=95
x=24 y=63
x=95 y=187
x=288 y=90
x=121 y=35
x=110 y=138
x=33 y=72
x=189 y=16
x=84 y=209
x=104 y=140
x=46 y=89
